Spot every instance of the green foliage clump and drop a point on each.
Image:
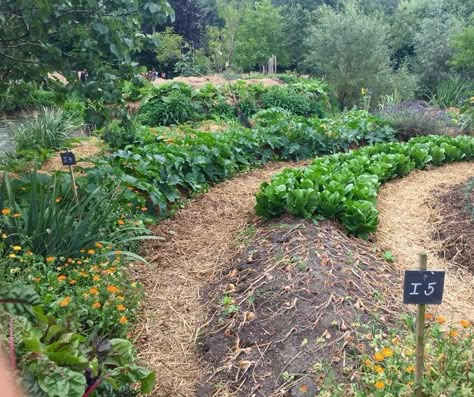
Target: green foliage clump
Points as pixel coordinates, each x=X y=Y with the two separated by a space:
x=452 y=92
x=48 y=129
x=345 y=186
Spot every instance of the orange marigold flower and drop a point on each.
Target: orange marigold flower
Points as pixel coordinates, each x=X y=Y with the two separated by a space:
x=6 y=211
x=96 y=277
x=72 y=282
x=99 y=245
x=409 y=369
x=62 y=277
x=91 y=252
x=428 y=316
x=64 y=302
x=121 y=222
x=378 y=369
x=368 y=363
x=144 y=209
x=50 y=259
x=70 y=260
x=96 y=305
x=440 y=320
x=121 y=308
x=453 y=333
x=113 y=289
x=110 y=270
x=379 y=356
x=123 y=320
x=387 y=352
x=465 y=323
x=37 y=279
x=79 y=262
x=94 y=291
x=379 y=385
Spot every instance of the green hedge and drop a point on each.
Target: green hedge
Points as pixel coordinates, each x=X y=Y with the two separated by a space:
x=344 y=186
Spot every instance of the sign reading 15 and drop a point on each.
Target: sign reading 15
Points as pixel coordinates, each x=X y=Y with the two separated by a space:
x=423 y=287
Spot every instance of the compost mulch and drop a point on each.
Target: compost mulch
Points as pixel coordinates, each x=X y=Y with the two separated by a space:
x=456 y=226
x=302 y=289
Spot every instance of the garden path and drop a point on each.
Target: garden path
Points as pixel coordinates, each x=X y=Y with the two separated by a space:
x=408 y=220
x=199 y=241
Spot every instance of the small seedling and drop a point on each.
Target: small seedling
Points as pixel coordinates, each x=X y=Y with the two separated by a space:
x=388 y=256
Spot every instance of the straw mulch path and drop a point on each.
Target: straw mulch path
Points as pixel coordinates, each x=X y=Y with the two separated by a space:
x=408 y=220
x=198 y=242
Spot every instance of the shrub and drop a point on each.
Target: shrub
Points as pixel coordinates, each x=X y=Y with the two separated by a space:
x=410 y=119
x=119 y=134
x=452 y=92
x=48 y=129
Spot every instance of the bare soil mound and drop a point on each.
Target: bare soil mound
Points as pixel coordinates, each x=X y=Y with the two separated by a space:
x=456 y=226
x=289 y=305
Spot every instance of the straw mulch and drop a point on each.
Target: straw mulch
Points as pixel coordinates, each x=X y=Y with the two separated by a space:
x=217 y=80
x=408 y=222
x=198 y=242
x=84 y=151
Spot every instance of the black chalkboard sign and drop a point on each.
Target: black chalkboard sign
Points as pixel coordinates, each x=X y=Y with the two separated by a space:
x=68 y=158
x=423 y=287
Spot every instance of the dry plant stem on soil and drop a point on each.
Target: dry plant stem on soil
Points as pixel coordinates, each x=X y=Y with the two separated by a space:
x=199 y=240
x=408 y=222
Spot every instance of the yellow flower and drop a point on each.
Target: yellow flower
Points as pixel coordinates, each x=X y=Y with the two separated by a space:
x=29 y=253
x=113 y=289
x=409 y=368
x=12 y=256
x=79 y=262
x=64 y=302
x=17 y=215
x=378 y=369
x=123 y=320
x=379 y=385
x=465 y=323
x=50 y=259
x=6 y=211
x=96 y=277
x=91 y=252
x=62 y=277
x=379 y=356
x=144 y=209
x=94 y=291
x=96 y=305
x=121 y=222
x=120 y=298
x=82 y=251
x=121 y=308
x=387 y=352
x=110 y=270
x=440 y=320
x=83 y=274
x=16 y=248
x=453 y=333
x=72 y=282
x=58 y=199
x=99 y=245
x=368 y=363
x=85 y=295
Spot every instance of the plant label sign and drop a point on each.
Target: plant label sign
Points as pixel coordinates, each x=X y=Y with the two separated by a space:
x=423 y=287
x=68 y=158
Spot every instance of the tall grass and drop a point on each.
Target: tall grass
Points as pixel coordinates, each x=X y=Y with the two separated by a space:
x=451 y=92
x=48 y=129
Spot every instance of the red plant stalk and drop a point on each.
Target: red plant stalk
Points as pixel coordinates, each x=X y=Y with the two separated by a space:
x=12 y=346
x=94 y=386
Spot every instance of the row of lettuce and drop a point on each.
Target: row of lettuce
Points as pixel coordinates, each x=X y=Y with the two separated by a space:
x=344 y=186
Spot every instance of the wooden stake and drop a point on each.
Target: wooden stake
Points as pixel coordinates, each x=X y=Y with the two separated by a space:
x=73 y=181
x=420 y=337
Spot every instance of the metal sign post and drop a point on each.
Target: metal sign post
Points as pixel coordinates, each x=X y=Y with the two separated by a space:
x=68 y=159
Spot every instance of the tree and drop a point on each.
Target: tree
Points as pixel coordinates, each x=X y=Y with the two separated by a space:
x=168 y=51
x=259 y=36
x=350 y=50
x=40 y=37
x=463 y=44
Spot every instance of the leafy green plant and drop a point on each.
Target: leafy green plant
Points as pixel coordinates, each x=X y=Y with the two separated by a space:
x=344 y=186
x=41 y=212
x=48 y=129
x=451 y=92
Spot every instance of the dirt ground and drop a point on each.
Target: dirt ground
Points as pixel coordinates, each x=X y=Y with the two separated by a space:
x=217 y=80
x=456 y=226
x=289 y=306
